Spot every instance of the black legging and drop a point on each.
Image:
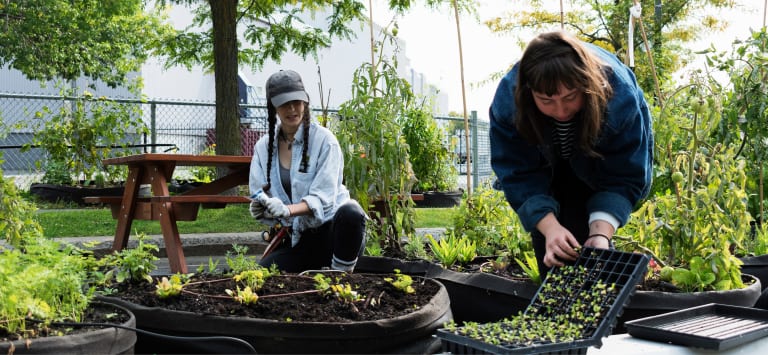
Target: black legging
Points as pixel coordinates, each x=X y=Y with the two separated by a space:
x=572 y=194
x=343 y=237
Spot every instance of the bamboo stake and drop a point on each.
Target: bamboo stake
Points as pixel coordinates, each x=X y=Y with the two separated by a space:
x=373 y=44
x=650 y=58
x=464 y=101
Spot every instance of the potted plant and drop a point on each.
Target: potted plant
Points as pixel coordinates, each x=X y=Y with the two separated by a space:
x=485 y=260
x=487 y=283
x=376 y=160
x=76 y=137
x=46 y=291
x=316 y=311
x=432 y=161
x=744 y=125
x=691 y=227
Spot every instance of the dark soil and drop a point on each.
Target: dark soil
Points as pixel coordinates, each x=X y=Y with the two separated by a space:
x=289 y=297
x=98 y=313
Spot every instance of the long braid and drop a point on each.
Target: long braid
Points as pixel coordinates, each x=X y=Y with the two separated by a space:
x=305 y=148
x=272 y=119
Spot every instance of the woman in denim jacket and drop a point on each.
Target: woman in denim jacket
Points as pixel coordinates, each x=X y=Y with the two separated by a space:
x=296 y=180
x=571 y=145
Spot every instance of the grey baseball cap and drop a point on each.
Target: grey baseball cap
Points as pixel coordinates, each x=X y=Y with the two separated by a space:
x=285 y=86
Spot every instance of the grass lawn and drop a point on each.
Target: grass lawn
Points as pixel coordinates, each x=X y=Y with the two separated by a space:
x=232 y=219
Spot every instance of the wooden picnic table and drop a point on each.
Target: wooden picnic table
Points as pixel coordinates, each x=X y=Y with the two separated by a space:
x=157 y=170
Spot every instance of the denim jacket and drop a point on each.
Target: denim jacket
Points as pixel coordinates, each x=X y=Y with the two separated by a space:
x=621 y=177
x=320 y=186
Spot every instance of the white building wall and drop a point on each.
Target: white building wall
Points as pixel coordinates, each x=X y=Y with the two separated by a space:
x=336 y=67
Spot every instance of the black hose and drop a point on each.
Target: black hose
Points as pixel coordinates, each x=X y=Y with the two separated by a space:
x=201 y=345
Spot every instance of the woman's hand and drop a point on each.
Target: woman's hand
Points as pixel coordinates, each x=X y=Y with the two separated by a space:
x=561 y=246
x=601 y=241
x=560 y=243
x=257 y=209
x=276 y=208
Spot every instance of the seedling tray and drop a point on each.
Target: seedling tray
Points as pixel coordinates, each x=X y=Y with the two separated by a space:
x=711 y=326
x=562 y=292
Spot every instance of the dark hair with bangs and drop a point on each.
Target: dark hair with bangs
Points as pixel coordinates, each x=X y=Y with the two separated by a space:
x=556 y=58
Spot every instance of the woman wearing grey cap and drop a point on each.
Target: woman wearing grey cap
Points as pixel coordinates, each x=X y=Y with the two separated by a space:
x=296 y=180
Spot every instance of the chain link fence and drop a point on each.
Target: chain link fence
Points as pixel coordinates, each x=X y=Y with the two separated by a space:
x=189 y=128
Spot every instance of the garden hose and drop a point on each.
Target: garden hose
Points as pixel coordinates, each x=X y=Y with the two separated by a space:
x=197 y=345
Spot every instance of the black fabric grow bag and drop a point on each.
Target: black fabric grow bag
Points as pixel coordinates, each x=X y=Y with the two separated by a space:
x=411 y=333
x=108 y=340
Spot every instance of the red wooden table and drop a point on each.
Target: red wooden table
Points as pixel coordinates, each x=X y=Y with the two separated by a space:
x=157 y=170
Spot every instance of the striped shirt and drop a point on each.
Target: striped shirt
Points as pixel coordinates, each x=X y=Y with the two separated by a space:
x=563 y=137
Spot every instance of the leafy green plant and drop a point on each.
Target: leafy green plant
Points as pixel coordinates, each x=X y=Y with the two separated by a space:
x=415 y=248
x=57 y=173
x=704 y=214
x=486 y=219
x=255 y=278
x=45 y=281
x=443 y=250
x=346 y=294
x=401 y=281
x=245 y=296
x=39 y=278
x=432 y=162
x=451 y=249
x=83 y=131
x=239 y=261
x=205 y=174
x=376 y=158
x=745 y=110
x=549 y=319
x=134 y=263
x=343 y=292
x=759 y=244
x=169 y=287
x=530 y=266
x=212 y=267
x=17 y=215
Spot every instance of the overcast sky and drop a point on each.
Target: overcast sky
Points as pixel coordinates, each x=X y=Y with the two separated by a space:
x=431 y=45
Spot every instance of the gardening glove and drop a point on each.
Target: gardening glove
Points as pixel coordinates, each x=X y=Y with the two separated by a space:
x=258 y=204
x=257 y=209
x=276 y=208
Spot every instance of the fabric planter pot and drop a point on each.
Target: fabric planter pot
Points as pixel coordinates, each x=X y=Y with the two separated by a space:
x=650 y=303
x=411 y=333
x=756 y=266
x=475 y=296
x=108 y=340
x=387 y=265
x=440 y=199
x=483 y=297
x=63 y=193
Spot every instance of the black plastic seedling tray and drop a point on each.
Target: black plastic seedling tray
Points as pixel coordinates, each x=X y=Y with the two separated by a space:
x=711 y=326
x=597 y=267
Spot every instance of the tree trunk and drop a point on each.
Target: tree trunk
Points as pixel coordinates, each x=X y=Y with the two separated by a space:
x=224 y=14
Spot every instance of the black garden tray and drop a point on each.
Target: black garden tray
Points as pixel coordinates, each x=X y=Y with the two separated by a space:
x=711 y=326
x=623 y=270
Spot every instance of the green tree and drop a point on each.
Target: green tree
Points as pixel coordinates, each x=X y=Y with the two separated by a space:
x=63 y=39
x=271 y=28
x=605 y=23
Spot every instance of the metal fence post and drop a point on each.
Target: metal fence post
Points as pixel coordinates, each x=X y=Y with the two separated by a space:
x=153 y=125
x=475 y=165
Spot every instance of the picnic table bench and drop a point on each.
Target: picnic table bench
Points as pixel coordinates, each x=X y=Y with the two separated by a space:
x=156 y=170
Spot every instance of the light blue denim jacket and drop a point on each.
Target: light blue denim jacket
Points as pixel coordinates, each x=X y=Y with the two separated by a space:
x=320 y=186
x=621 y=177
